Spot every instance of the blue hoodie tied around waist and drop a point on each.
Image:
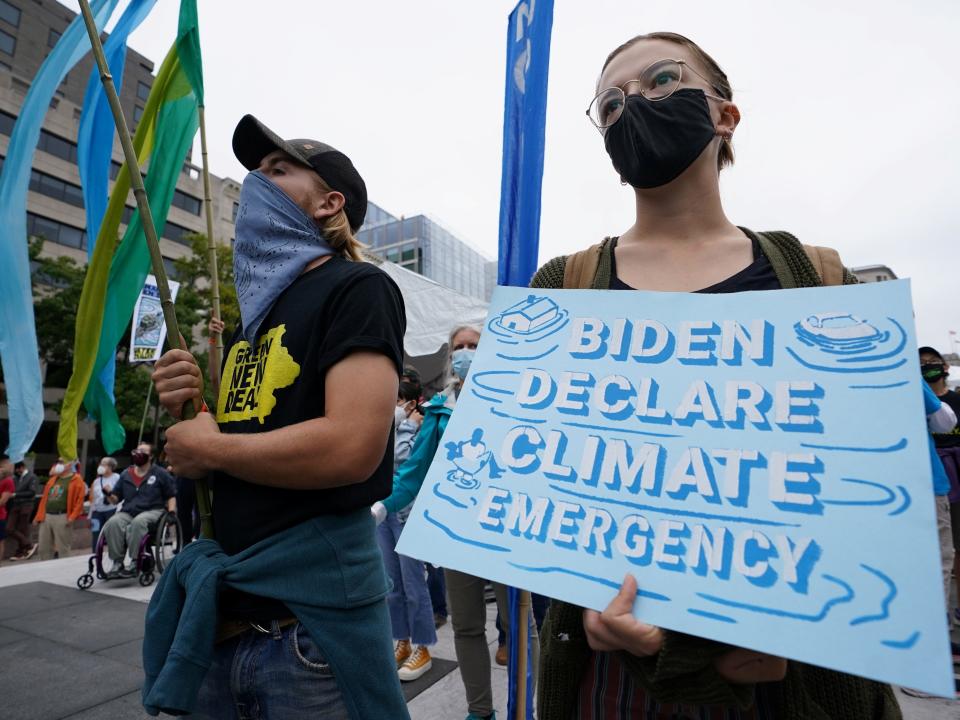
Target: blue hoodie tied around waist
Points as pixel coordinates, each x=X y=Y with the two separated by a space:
x=328 y=571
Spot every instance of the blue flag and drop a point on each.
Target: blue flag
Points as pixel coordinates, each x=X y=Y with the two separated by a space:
x=524 y=127
x=96 y=133
x=18 y=336
x=524 y=123
x=95 y=137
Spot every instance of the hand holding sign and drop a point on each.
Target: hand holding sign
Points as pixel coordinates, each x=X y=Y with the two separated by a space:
x=617 y=629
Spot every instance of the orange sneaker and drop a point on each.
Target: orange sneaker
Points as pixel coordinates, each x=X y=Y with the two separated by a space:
x=402 y=651
x=416 y=665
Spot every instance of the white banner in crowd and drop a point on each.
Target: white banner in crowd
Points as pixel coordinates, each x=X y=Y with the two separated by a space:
x=148 y=330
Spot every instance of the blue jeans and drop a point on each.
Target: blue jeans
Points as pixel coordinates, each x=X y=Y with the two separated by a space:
x=97 y=521
x=438 y=589
x=411 y=612
x=279 y=675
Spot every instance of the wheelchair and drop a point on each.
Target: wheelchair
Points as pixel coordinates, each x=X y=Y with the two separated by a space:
x=157 y=549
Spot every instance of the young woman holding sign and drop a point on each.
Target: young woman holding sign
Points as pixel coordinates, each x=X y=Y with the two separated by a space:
x=665 y=111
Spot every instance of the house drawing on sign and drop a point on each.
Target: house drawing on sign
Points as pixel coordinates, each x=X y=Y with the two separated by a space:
x=529 y=316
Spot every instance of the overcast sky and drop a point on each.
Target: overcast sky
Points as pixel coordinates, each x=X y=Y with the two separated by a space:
x=848 y=135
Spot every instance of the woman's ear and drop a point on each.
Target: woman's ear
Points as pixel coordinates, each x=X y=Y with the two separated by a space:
x=328 y=205
x=729 y=119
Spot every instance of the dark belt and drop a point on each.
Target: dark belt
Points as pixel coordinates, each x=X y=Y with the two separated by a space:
x=228 y=629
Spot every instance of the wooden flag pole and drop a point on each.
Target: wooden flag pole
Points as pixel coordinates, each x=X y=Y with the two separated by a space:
x=216 y=347
x=149 y=231
x=523 y=637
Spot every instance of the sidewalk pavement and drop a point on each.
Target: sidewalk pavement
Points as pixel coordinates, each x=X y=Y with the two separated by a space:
x=62 y=653
x=108 y=688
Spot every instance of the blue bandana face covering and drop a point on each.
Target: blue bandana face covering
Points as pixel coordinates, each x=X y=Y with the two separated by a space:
x=275 y=241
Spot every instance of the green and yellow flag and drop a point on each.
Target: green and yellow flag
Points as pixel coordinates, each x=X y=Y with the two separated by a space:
x=116 y=273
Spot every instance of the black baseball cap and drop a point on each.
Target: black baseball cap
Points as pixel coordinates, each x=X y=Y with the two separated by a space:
x=927 y=350
x=253 y=141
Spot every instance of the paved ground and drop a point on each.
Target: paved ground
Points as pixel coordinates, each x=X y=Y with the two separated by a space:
x=71 y=654
x=65 y=653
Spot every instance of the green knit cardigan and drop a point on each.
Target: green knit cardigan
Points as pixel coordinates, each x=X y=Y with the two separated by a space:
x=683 y=669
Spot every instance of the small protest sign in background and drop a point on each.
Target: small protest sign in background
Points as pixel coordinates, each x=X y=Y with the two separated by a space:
x=148 y=329
x=759 y=461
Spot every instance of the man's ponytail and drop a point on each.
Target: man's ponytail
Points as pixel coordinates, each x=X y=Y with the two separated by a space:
x=337 y=232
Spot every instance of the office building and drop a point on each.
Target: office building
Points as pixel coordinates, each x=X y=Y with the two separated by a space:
x=873 y=273
x=28 y=31
x=421 y=244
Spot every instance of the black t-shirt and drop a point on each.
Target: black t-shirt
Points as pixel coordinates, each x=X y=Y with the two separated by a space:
x=326 y=314
x=154 y=490
x=952 y=438
x=758 y=275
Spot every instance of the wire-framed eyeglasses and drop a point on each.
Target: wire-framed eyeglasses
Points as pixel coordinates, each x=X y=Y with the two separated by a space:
x=658 y=81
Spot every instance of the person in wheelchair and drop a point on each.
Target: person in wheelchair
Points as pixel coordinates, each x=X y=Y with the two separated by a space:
x=146 y=490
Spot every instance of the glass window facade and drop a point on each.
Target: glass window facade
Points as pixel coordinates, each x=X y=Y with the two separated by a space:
x=8 y=43
x=177 y=233
x=143 y=90
x=56 y=188
x=424 y=246
x=186 y=202
x=376 y=215
x=9 y=13
x=39 y=226
x=56 y=145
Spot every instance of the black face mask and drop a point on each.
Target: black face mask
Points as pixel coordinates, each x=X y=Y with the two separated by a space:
x=932 y=372
x=654 y=142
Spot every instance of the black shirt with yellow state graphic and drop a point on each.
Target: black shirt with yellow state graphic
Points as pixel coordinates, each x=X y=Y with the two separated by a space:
x=327 y=313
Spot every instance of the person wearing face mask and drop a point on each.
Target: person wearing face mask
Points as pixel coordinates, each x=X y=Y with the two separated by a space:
x=411 y=613
x=101 y=509
x=21 y=510
x=60 y=504
x=664 y=109
x=146 y=491
x=935 y=371
x=465 y=593
x=299 y=447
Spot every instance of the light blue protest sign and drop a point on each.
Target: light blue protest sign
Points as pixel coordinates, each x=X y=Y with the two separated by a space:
x=759 y=461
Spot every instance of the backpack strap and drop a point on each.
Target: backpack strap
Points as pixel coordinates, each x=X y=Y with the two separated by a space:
x=798 y=265
x=581 y=267
x=827 y=263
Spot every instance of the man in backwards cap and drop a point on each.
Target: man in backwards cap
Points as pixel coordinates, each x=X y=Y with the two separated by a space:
x=300 y=448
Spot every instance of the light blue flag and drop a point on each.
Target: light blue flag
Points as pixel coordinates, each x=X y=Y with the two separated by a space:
x=95 y=137
x=18 y=336
x=96 y=133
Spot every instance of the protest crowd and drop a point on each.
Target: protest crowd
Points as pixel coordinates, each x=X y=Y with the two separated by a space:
x=319 y=445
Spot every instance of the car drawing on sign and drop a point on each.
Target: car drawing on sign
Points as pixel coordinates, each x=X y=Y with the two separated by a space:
x=839 y=333
x=530 y=316
x=149 y=322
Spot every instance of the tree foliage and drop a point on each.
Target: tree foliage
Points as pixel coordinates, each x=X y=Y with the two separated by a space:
x=57 y=285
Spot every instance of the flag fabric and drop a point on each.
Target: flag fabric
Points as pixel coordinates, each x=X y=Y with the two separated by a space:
x=164 y=135
x=18 y=336
x=524 y=125
x=96 y=133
